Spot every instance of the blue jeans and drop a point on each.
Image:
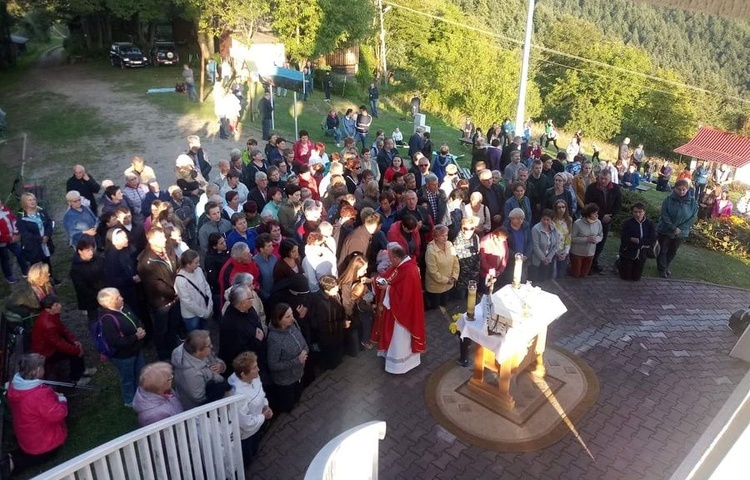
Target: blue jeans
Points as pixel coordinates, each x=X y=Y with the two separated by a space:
x=15 y=249
x=190 y=87
x=129 y=370
x=374 y=107
x=194 y=323
x=361 y=137
x=561 y=268
x=335 y=133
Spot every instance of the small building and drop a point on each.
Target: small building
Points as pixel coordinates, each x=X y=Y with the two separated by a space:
x=722 y=149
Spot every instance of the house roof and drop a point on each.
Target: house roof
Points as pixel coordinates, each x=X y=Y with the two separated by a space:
x=718 y=146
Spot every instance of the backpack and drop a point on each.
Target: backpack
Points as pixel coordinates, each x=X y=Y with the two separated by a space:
x=100 y=343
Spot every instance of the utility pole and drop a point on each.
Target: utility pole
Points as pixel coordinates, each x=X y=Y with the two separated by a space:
x=521 y=111
x=382 y=12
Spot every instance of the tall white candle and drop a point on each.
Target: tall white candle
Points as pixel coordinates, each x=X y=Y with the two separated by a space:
x=517 y=270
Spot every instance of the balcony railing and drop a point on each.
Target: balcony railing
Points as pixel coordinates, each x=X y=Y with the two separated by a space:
x=202 y=443
x=353 y=455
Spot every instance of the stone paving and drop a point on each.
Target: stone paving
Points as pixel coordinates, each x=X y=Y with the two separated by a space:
x=659 y=349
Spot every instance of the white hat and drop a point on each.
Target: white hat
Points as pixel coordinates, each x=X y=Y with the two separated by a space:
x=184 y=161
x=626 y=141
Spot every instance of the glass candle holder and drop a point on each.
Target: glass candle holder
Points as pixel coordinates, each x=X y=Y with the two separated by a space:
x=471 y=299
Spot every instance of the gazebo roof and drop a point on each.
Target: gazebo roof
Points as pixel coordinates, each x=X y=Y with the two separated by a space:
x=718 y=146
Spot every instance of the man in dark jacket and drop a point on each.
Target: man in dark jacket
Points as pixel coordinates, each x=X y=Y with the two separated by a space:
x=608 y=197
x=373 y=95
x=157 y=267
x=84 y=184
x=433 y=199
x=87 y=273
x=241 y=330
x=265 y=108
x=514 y=146
x=416 y=142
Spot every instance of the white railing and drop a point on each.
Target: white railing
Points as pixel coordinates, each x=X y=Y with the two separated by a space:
x=202 y=443
x=353 y=455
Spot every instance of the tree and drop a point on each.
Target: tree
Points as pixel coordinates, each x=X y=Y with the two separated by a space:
x=317 y=27
x=587 y=96
x=663 y=117
x=213 y=18
x=457 y=71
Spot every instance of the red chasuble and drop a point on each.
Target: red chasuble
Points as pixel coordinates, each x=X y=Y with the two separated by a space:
x=407 y=307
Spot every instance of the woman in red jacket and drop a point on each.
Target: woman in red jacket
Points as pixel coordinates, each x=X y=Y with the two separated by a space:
x=38 y=416
x=50 y=338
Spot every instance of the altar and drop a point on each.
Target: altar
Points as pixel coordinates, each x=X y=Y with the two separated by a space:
x=518 y=318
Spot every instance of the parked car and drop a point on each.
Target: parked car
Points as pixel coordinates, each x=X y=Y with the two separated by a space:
x=124 y=54
x=164 y=53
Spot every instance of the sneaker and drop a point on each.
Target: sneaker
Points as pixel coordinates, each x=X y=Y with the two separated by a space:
x=11 y=280
x=83 y=382
x=89 y=372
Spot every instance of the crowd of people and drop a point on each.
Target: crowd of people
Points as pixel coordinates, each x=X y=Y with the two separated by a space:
x=304 y=257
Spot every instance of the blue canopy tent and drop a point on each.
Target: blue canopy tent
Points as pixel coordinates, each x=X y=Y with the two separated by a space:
x=283 y=78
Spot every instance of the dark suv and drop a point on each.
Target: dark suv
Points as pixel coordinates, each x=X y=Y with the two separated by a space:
x=124 y=54
x=164 y=53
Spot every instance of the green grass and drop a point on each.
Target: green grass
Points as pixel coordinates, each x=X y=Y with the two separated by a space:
x=693 y=263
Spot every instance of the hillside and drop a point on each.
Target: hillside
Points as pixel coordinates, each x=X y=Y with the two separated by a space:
x=706 y=50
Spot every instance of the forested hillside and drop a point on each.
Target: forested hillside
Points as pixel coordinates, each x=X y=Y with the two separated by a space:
x=629 y=47
x=706 y=50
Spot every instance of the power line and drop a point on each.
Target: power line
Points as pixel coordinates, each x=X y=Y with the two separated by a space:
x=618 y=79
x=564 y=54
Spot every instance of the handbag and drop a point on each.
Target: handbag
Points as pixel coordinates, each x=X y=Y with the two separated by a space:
x=205 y=297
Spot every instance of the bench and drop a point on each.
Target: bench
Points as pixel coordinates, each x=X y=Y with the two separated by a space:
x=466 y=141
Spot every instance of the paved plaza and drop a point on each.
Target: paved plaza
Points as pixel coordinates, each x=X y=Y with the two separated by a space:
x=659 y=349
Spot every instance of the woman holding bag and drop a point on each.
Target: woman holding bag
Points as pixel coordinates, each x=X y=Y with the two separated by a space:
x=196 y=303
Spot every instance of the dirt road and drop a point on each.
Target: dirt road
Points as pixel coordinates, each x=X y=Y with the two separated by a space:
x=147 y=131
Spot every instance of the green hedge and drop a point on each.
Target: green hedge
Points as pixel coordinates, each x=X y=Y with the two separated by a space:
x=628 y=199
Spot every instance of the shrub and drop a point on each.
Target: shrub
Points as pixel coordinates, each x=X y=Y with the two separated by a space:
x=726 y=235
x=367 y=66
x=628 y=199
x=738 y=187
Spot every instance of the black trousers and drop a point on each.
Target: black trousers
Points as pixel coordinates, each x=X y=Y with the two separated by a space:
x=632 y=269
x=600 y=245
x=283 y=398
x=435 y=300
x=668 y=250
x=77 y=367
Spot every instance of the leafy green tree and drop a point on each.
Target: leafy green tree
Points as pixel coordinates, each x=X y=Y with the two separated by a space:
x=317 y=27
x=587 y=96
x=662 y=119
x=297 y=23
x=215 y=17
x=457 y=72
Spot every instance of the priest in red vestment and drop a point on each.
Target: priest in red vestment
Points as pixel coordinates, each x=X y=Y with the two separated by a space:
x=401 y=324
